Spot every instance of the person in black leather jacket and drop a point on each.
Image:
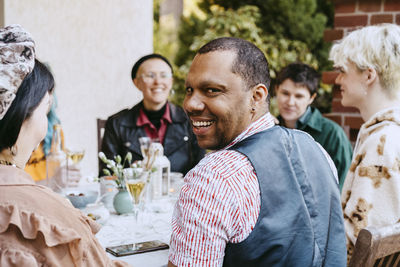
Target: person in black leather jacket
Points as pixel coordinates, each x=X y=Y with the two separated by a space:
x=154 y=117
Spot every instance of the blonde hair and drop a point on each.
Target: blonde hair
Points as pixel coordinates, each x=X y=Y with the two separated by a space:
x=376 y=47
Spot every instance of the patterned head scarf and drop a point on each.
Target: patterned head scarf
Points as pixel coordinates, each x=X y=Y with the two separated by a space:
x=17 y=59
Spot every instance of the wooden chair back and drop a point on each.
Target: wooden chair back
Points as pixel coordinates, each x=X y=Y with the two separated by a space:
x=101 y=124
x=377 y=247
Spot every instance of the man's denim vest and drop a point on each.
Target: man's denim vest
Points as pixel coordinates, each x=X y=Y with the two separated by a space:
x=300 y=221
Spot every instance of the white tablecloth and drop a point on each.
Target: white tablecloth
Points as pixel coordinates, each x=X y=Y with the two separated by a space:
x=154 y=224
x=154 y=221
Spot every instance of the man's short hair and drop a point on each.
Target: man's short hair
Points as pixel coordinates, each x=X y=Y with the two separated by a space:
x=301 y=74
x=250 y=62
x=376 y=47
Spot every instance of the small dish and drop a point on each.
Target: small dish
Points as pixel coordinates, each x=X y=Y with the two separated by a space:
x=80 y=197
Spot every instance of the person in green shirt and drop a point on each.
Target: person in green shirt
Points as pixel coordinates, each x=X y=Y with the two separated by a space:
x=296 y=88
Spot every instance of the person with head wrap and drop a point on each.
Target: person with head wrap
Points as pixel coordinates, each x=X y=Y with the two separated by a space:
x=154 y=117
x=37 y=226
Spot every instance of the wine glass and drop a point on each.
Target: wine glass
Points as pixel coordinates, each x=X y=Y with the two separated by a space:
x=75 y=155
x=135 y=183
x=73 y=174
x=145 y=143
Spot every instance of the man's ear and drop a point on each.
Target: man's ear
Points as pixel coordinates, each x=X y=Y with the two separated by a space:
x=260 y=94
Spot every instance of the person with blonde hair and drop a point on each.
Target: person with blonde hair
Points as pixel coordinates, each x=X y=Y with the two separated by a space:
x=369 y=63
x=37 y=226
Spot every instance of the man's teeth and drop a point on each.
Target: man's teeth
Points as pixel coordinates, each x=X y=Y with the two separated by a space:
x=201 y=123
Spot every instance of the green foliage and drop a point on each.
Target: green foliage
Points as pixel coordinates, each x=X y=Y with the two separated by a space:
x=294 y=19
x=303 y=20
x=164 y=38
x=242 y=23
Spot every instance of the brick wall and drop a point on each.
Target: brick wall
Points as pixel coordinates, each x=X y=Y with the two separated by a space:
x=351 y=15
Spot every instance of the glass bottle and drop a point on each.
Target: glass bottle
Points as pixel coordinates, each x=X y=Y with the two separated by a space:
x=160 y=179
x=56 y=161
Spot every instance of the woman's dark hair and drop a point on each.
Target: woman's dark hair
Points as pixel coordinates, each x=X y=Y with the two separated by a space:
x=301 y=74
x=31 y=91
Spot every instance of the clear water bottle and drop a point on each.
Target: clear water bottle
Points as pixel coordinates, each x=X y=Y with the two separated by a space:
x=160 y=180
x=56 y=162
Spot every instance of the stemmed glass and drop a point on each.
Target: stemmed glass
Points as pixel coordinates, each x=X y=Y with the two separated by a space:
x=74 y=155
x=135 y=183
x=145 y=143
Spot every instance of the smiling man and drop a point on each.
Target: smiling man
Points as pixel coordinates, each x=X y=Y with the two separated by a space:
x=296 y=88
x=255 y=200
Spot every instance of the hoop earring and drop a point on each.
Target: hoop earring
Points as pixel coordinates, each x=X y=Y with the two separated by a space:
x=14 y=150
x=253 y=110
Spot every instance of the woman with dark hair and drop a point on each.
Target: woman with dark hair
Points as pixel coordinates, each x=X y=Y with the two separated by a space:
x=37 y=226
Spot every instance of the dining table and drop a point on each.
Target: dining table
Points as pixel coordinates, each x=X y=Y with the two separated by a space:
x=153 y=223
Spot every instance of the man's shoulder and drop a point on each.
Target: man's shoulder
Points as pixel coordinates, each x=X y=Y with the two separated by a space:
x=386 y=135
x=222 y=161
x=326 y=123
x=329 y=127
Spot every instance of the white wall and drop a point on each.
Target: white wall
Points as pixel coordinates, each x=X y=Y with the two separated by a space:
x=90 y=46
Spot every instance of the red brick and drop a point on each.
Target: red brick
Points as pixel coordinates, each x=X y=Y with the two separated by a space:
x=392 y=5
x=351 y=21
x=346 y=7
x=329 y=77
x=398 y=19
x=381 y=18
x=354 y=122
x=336 y=94
x=332 y=35
x=337 y=107
x=369 y=5
x=335 y=117
x=349 y=30
x=341 y=2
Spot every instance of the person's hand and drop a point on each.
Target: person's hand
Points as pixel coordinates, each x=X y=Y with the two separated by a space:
x=275 y=119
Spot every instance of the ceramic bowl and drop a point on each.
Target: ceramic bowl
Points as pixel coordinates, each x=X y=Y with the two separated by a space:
x=81 y=197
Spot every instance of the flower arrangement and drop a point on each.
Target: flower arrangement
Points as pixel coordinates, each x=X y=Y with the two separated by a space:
x=116 y=167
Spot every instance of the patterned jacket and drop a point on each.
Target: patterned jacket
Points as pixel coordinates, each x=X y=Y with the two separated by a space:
x=371 y=191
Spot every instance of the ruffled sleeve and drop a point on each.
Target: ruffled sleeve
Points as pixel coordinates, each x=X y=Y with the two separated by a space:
x=41 y=228
x=31 y=224
x=15 y=257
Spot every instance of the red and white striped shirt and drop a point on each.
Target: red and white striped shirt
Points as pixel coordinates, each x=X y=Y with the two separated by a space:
x=219 y=203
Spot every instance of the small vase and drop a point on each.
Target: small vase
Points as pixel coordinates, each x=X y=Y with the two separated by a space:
x=123 y=202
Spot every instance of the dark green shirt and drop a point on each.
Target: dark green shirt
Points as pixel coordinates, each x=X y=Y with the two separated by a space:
x=330 y=136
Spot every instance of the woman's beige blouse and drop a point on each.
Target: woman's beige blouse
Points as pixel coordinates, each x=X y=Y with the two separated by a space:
x=41 y=228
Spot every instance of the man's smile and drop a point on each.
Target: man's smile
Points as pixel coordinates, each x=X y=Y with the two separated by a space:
x=202 y=123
